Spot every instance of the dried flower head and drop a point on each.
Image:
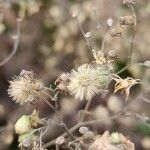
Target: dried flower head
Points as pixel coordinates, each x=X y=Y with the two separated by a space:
x=115 y=33
x=24 y=88
x=101 y=59
x=124 y=84
x=114 y=141
x=83 y=83
x=88 y=80
x=127 y=20
x=35 y=120
x=62 y=82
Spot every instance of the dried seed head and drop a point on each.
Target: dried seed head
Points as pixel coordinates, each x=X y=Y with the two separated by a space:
x=62 y=78
x=111 y=53
x=129 y=2
x=114 y=141
x=25 y=88
x=83 y=83
x=35 y=120
x=115 y=33
x=127 y=20
x=99 y=57
x=111 y=56
x=62 y=82
x=62 y=87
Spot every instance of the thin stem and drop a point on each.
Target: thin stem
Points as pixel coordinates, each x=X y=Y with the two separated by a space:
x=96 y=19
x=87 y=40
x=78 y=125
x=85 y=110
x=104 y=40
x=131 y=48
x=130 y=53
x=62 y=124
x=57 y=147
x=15 y=47
x=129 y=59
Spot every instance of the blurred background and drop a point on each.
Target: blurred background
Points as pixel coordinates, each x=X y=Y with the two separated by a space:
x=51 y=43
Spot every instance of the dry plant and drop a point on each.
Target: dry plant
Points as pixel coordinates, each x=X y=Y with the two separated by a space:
x=83 y=83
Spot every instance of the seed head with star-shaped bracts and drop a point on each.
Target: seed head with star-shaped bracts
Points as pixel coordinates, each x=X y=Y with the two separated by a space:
x=124 y=84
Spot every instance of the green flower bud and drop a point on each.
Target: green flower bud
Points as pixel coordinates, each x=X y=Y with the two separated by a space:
x=102 y=72
x=23 y=125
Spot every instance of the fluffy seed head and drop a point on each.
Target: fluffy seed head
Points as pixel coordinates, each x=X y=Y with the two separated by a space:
x=24 y=88
x=87 y=81
x=83 y=83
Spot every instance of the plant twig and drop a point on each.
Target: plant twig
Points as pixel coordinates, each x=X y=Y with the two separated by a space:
x=62 y=124
x=129 y=55
x=91 y=122
x=15 y=47
x=85 y=110
x=104 y=40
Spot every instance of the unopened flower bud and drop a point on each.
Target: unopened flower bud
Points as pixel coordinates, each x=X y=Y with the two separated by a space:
x=127 y=20
x=60 y=140
x=110 y=22
x=75 y=14
x=62 y=87
x=83 y=129
x=64 y=77
x=87 y=35
x=111 y=56
x=23 y=125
